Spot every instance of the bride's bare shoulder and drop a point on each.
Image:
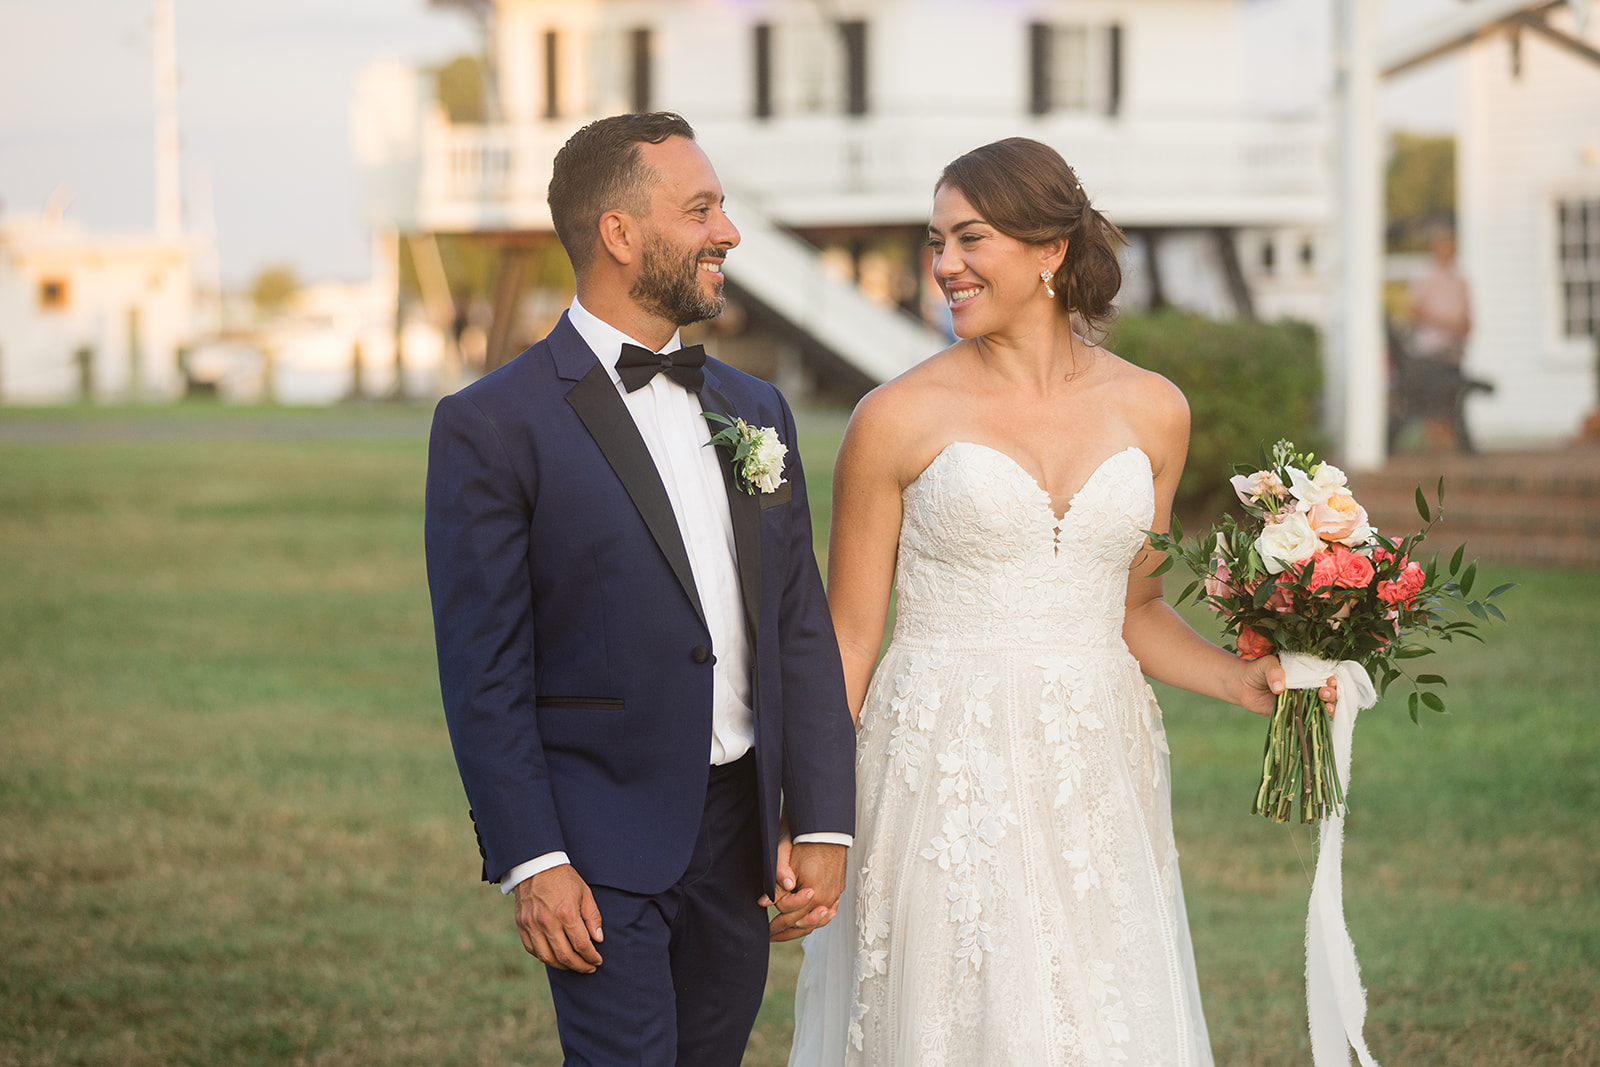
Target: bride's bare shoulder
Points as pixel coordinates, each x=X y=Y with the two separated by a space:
x=902 y=419
x=1146 y=393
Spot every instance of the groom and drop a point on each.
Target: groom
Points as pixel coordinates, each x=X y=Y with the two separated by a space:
x=635 y=651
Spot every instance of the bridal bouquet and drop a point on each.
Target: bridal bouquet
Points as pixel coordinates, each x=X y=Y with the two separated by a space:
x=1306 y=574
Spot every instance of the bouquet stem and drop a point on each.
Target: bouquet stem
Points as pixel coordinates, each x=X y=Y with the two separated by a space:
x=1297 y=764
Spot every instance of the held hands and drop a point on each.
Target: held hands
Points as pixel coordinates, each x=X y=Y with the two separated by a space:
x=559 y=919
x=1261 y=681
x=810 y=882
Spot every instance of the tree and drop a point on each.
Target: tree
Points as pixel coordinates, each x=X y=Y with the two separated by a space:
x=1420 y=188
x=272 y=289
x=460 y=87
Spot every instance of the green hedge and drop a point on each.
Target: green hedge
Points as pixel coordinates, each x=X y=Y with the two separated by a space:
x=1248 y=384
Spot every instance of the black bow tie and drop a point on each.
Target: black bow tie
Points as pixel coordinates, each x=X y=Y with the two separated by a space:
x=637 y=365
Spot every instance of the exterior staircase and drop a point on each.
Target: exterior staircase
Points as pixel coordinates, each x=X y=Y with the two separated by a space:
x=786 y=276
x=1511 y=507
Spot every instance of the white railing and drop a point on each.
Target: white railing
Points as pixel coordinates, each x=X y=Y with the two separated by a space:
x=835 y=171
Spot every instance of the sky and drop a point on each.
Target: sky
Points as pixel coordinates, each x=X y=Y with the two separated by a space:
x=264 y=103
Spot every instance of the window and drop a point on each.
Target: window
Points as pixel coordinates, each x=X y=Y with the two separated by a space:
x=640 y=40
x=552 y=82
x=855 y=67
x=1578 y=266
x=1074 y=67
x=763 y=65
x=53 y=294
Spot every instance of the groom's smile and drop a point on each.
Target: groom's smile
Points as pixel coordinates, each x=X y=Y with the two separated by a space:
x=689 y=236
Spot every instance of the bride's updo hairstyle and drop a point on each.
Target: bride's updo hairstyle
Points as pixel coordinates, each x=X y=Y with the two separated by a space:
x=1025 y=190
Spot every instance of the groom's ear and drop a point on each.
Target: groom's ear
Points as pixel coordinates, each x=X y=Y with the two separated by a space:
x=620 y=237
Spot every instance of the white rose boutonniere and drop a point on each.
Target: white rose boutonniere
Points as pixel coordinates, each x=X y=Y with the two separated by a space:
x=757 y=453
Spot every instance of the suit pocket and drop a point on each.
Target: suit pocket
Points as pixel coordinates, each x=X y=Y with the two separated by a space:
x=582 y=703
x=777 y=497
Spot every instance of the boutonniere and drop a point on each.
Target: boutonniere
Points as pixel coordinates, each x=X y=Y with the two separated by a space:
x=757 y=453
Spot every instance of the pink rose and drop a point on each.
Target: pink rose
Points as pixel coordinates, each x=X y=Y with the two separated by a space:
x=1411 y=579
x=1324 y=571
x=1404 y=589
x=1217 y=581
x=1252 y=645
x=1282 y=598
x=1355 y=571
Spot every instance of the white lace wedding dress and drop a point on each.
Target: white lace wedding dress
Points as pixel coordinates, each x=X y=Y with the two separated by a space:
x=1014 y=895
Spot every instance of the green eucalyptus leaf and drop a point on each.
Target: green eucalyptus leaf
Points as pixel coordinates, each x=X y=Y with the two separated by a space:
x=1455 y=560
x=1477 y=609
x=1432 y=700
x=1497 y=590
x=1494 y=610
x=1161 y=568
x=1430 y=679
x=1422 y=506
x=1468 y=578
x=1412 y=703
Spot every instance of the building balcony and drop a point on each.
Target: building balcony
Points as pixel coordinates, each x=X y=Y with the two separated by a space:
x=814 y=171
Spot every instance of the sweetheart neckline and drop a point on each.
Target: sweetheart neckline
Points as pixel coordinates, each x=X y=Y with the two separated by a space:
x=1049 y=501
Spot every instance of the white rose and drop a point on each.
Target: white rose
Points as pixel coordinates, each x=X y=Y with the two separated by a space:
x=1316 y=487
x=766 y=462
x=1291 y=541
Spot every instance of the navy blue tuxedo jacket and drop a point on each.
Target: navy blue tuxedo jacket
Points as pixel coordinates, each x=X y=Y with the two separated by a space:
x=574 y=659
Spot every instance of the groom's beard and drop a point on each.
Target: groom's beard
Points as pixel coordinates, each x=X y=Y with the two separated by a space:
x=669 y=286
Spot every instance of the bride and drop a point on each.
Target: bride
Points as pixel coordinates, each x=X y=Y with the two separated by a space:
x=1013 y=895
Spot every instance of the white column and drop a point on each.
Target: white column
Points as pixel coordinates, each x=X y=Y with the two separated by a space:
x=169 y=189
x=1357 y=386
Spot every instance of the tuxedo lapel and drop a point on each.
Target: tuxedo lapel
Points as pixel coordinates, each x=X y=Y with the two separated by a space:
x=605 y=416
x=745 y=511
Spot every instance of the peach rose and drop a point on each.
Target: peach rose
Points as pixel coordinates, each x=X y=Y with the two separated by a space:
x=1252 y=645
x=1339 y=518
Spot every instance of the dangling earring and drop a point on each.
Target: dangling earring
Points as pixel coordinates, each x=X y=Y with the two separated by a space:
x=1045 y=276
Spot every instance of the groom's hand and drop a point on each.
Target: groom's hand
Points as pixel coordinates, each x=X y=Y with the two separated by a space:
x=819 y=881
x=559 y=920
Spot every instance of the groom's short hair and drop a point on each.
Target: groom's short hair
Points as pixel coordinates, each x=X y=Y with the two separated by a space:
x=599 y=170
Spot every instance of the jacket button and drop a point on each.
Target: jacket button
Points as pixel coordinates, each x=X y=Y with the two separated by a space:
x=700 y=654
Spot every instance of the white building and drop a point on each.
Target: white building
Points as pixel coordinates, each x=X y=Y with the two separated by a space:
x=91 y=316
x=1529 y=220
x=832 y=122
x=97 y=316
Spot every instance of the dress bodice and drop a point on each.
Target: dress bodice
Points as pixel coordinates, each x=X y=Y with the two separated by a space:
x=983 y=558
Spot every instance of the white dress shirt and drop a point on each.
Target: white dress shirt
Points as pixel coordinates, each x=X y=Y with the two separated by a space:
x=677 y=435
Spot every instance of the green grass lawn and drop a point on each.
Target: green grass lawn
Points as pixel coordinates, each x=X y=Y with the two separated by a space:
x=231 y=830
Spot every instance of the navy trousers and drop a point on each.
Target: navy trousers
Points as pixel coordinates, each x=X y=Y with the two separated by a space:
x=685 y=969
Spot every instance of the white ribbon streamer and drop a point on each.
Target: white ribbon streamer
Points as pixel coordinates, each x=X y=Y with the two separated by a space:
x=1336 y=1004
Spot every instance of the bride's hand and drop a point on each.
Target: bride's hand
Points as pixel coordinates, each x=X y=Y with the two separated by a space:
x=1262 y=680
x=785 y=872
